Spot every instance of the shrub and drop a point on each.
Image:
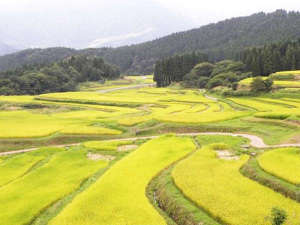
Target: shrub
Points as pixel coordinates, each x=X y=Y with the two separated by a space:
x=260 y=85
x=202 y=81
x=203 y=69
x=278 y=216
x=214 y=83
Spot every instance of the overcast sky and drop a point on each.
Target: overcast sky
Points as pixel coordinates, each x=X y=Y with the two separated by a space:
x=200 y=11
x=94 y=23
x=203 y=12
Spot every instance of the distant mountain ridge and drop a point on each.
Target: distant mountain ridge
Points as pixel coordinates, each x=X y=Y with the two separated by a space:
x=220 y=40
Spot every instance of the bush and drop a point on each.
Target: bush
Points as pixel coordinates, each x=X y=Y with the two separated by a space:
x=214 y=82
x=203 y=69
x=260 y=85
x=278 y=216
x=190 y=80
x=202 y=81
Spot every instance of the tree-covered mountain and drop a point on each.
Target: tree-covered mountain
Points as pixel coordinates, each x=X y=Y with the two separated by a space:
x=219 y=41
x=56 y=77
x=272 y=57
x=34 y=56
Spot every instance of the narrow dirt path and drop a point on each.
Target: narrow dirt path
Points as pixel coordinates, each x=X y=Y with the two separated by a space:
x=126 y=88
x=255 y=141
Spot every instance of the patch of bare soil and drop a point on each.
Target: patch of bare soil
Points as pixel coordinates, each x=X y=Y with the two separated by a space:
x=97 y=157
x=227 y=155
x=12 y=108
x=125 y=148
x=293 y=140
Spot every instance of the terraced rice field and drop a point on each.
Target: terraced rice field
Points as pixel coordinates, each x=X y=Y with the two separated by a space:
x=283 y=163
x=105 y=178
x=277 y=83
x=119 y=197
x=185 y=106
x=216 y=185
x=60 y=174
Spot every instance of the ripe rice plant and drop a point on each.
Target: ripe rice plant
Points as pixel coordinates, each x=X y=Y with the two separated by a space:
x=17 y=99
x=293 y=72
x=133 y=120
x=282 y=163
x=14 y=167
x=106 y=145
x=24 y=124
x=258 y=105
x=84 y=129
x=218 y=187
x=214 y=112
x=26 y=197
x=277 y=83
x=119 y=196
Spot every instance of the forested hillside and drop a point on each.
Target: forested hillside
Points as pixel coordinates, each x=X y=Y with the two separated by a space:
x=173 y=69
x=272 y=58
x=221 y=40
x=56 y=77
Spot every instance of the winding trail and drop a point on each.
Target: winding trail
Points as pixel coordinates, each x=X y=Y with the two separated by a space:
x=255 y=141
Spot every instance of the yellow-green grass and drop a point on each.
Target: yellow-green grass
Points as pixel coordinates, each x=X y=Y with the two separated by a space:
x=95 y=86
x=106 y=145
x=122 y=82
x=140 y=96
x=186 y=106
x=23 y=124
x=217 y=186
x=17 y=99
x=25 y=198
x=147 y=79
x=182 y=112
x=271 y=108
x=118 y=198
x=133 y=120
x=277 y=83
x=110 y=110
x=89 y=130
x=214 y=112
x=283 y=163
x=293 y=72
x=259 y=105
x=14 y=167
x=118 y=97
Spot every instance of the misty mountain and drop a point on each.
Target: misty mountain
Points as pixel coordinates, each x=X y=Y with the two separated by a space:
x=90 y=23
x=219 y=41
